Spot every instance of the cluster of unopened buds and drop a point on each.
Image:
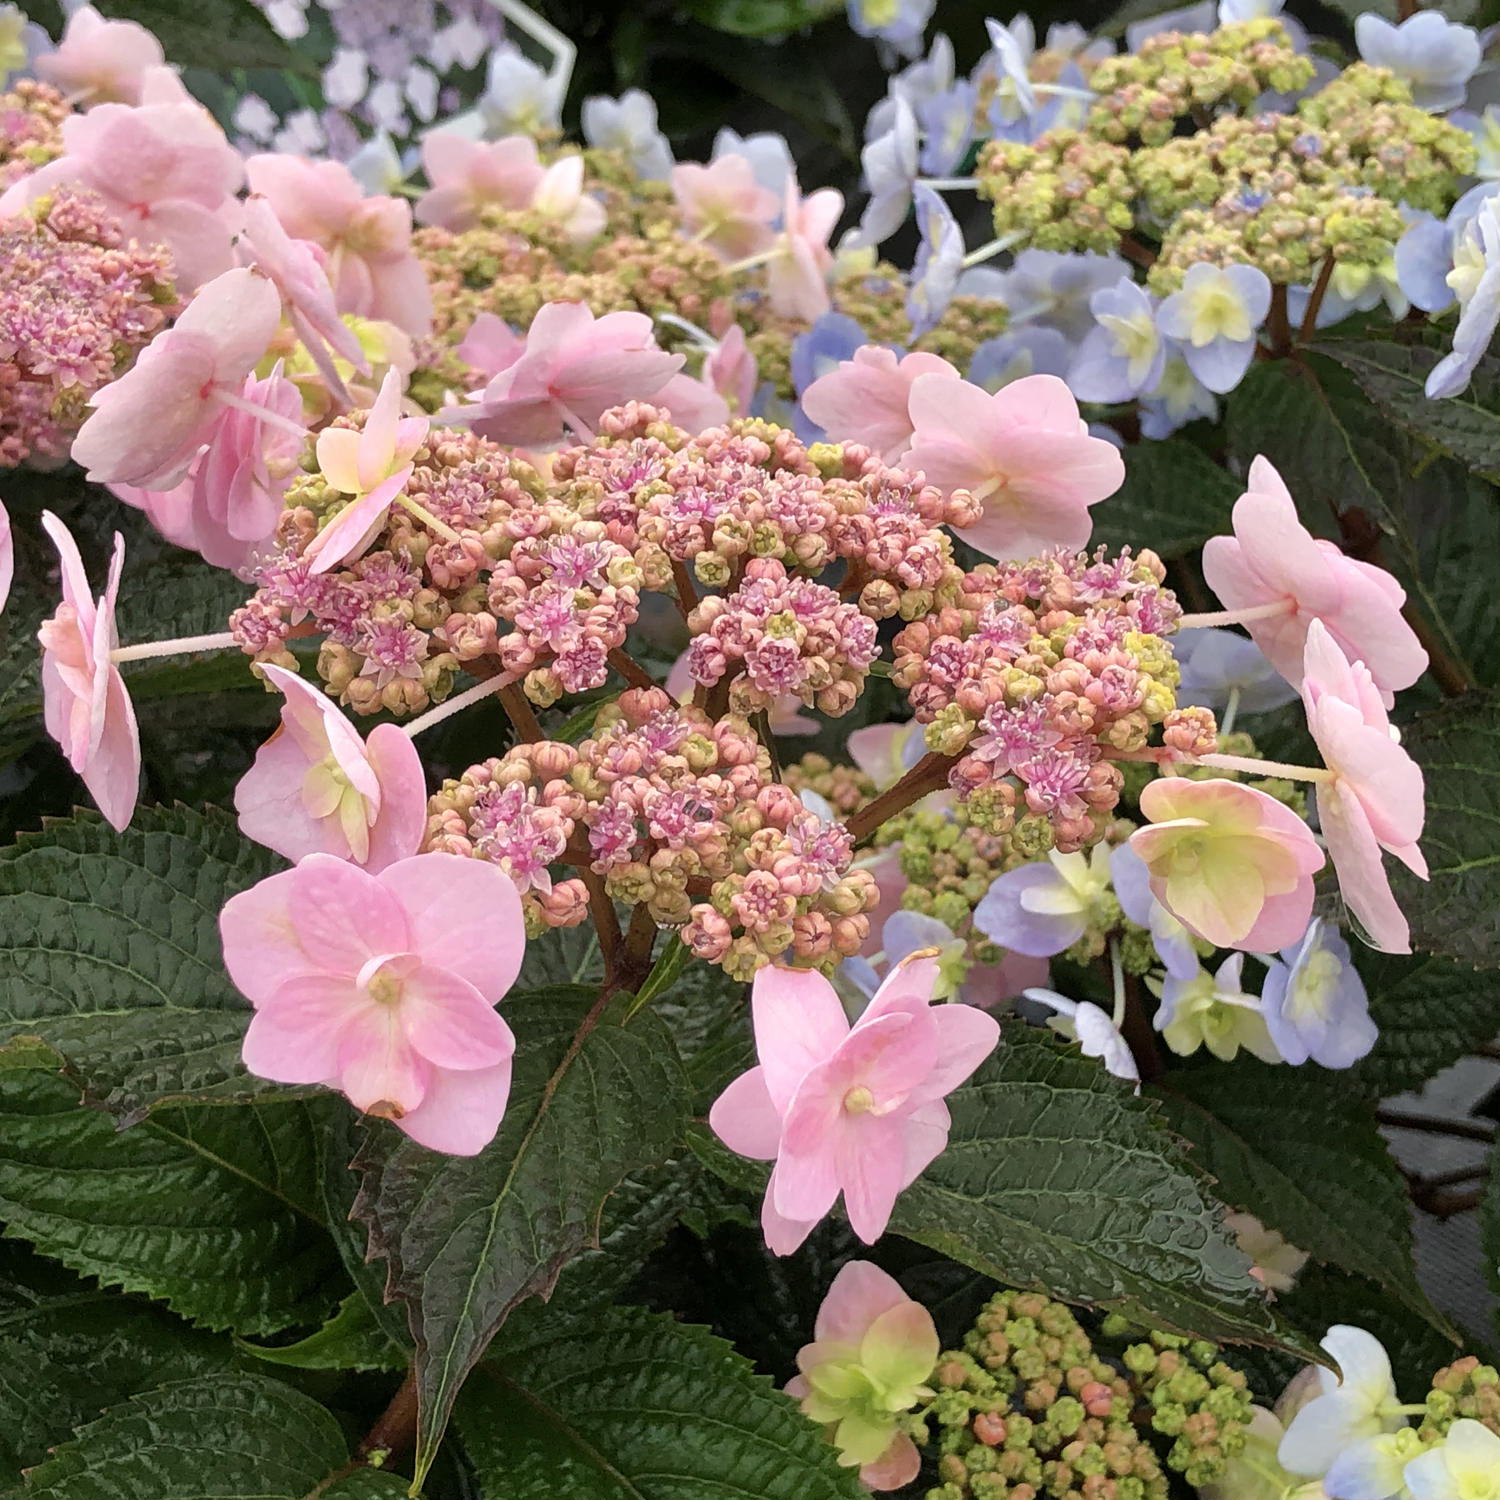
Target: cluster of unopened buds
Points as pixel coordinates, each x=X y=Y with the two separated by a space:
x=1037 y=679
x=662 y=804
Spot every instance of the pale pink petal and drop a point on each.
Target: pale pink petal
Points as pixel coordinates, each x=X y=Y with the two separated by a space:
x=744 y=1118
x=7 y=556
x=860 y=1293
x=965 y=1038
x=464 y=916
x=1361 y=872
x=450 y=1023
x=399 y=826
x=693 y=406
x=783 y=1236
x=262 y=948
x=870 y=1159
x=113 y=774
x=804 y=1187
x=377 y=1065
x=799 y=1023
x=924 y=1136
x=898 y=1466
x=293 y=1037
x=344 y=916
x=338 y=458
x=460 y=1112
x=354 y=528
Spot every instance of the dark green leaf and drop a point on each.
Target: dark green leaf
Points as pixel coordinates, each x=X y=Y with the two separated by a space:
x=1300 y=1150
x=1430 y=1012
x=109 y=951
x=1174 y=498
x=467 y=1239
x=641 y=1407
x=212 y=1210
x=1056 y=1177
x=1489 y=1228
x=761 y=18
x=352 y=1339
x=232 y=1437
x=68 y=1349
x=220 y=34
x=1457 y=912
x=1393 y=376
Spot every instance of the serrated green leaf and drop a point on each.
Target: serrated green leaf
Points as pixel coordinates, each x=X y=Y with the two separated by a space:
x=1489 y=1228
x=1430 y=1011
x=1300 y=1150
x=1174 y=498
x=1056 y=1177
x=109 y=952
x=1456 y=913
x=352 y=1339
x=1394 y=375
x=213 y=1210
x=641 y=1407
x=761 y=18
x=68 y=1349
x=220 y=34
x=232 y=1437
x=466 y=1239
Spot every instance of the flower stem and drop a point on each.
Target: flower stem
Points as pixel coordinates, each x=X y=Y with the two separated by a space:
x=1264 y=767
x=429 y=520
x=632 y=671
x=948 y=184
x=1245 y=616
x=687 y=595
x=1315 y=302
x=221 y=641
x=750 y=262
x=1117 y=970
x=929 y=774
x=262 y=414
x=395 y=1430
x=513 y=700
x=994 y=247
x=1231 y=708
x=606 y=923
x=1278 y=325
x=457 y=705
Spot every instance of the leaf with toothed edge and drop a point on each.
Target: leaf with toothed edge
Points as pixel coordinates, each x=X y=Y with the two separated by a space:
x=593 y=1100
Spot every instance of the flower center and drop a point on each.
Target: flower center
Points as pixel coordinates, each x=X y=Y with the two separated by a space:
x=1313 y=986
x=859 y=1100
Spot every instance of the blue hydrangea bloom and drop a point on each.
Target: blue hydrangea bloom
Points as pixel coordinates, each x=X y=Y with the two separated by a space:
x=1424 y=256
x=897 y=23
x=1436 y=56
x=628 y=125
x=1011 y=356
x=1213 y=319
x=1010 y=50
x=1315 y=1003
x=947 y=121
x=1124 y=354
x=1218 y=663
x=1179 y=398
x=939 y=263
x=518 y=98
x=890 y=166
x=1043 y=908
x=767 y=152
x=1475 y=279
x=916 y=83
x=1051 y=288
x=1231 y=11
x=1172 y=941
x=1484 y=131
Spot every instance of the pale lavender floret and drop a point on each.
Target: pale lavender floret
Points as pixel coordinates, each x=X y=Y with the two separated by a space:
x=939 y=263
x=1092 y=1029
x=1476 y=280
x=1436 y=56
x=628 y=125
x=1214 y=299
x=1051 y=288
x=890 y=168
x=1315 y=1003
x=1204 y=16
x=947 y=121
x=1484 y=131
x=1003 y=918
x=1132 y=885
x=916 y=83
x=903 y=30
x=1124 y=354
x=1013 y=356
x=1178 y=398
x=1218 y=663
x=767 y=152
x=1232 y=11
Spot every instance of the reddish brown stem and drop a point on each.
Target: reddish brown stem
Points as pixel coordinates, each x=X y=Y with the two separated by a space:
x=1139 y=1034
x=633 y=673
x=606 y=923
x=687 y=595
x=635 y=960
x=395 y=1430
x=1133 y=249
x=1279 y=324
x=513 y=700
x=1446 y=672
x=930 y=774
x=1315 y=302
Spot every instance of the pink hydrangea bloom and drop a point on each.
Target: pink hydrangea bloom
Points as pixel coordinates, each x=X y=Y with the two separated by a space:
x=873 y=1352
x=1024 y=453
x=575 y=367
x=560 y=196
x=374 y=271
x=1232 y=864
x=164 y=170
x=7 y=557
x=865 y=400
x=468 y=175
x=147 y=426
x=857 y=1111
x=85 y=705
x=490 y=346
x=101 y=61
x=786 y=716
x=723 y=206
x=372 y=464
x=1376 y=799
x=797 y=274
x=316 y=787
x=384 y=987
x=1273 y=559
x=692 y=404
x=731 y=370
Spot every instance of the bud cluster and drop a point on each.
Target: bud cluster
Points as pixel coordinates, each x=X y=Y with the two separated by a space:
x=1034 y=676
x=1466 y=1388
x=78 y=300
x=665 y=805
x=845 y=789
x=31 y=121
